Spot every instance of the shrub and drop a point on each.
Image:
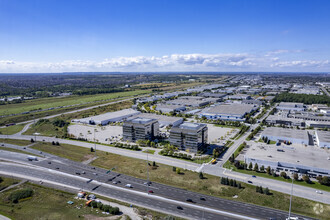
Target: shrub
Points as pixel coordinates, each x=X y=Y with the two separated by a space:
x=20 y=194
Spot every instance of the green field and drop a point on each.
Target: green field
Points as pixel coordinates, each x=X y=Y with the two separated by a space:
x=17 y=151
x=45 y=103
x=187 y=180
x=5 y=182
x=12 y=129
x=15 y=142
x=45 y=203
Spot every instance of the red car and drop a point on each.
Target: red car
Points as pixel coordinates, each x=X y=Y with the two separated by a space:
x=150 y=191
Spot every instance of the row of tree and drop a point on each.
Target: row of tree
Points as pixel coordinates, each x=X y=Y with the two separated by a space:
x=230 y=182
x=259 y=189
x=303 y=98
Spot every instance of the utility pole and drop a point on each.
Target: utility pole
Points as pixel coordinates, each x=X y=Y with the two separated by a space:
x=147 y=173
x=94 y=143
x=291 y=199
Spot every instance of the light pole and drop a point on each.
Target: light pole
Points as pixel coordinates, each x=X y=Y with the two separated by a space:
x=147 y=172
x=94 y=143
x=291 y=198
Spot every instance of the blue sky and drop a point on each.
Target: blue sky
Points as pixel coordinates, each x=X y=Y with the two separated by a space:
x=156 y=35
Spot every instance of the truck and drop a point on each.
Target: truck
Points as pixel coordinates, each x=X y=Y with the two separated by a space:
x=32 y=158
x=214 y=161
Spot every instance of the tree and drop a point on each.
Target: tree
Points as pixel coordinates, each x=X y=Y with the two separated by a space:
x=256 y=167
x=262 y=168
x=295 y=177
x=53 y=142
x=92 y=149
x=250 y=166
x=232 y=158
x=235 y=184
x=245 y=166
x=174 y=169
x=257 y=189
x=306 y=178
x=260 y=190
x=267 y=191
x=201 y=175
x=231 y=182
x=32 y=140
x=227 y=181
x=325 y=181
x=268 y=170
x=283 y=174
x=239 y=186
x=153 y=163
x=178 y=170
x=57 y=143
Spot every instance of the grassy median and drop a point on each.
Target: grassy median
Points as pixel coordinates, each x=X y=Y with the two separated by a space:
x=188 y=180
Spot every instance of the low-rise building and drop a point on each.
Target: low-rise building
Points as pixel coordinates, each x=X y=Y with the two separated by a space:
x=231 y=112
x=288 y=135
x=189 y=136
x=281 y=120
x=322 y=139
x=166 y=108
x=291 y=106
x=140 y=129
x=162 y=119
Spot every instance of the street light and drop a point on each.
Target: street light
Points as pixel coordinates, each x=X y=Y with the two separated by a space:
x=147 y=172
x=291 y=199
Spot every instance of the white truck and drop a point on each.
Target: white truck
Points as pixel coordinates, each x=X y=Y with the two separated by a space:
x=32 y=158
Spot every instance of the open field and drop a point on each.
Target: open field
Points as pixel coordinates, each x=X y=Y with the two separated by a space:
x=187 y=180
x=45 y=103
x=17 y=151
x=7 y=182
x=45 y=203
x=16 y=142
x=12 y=129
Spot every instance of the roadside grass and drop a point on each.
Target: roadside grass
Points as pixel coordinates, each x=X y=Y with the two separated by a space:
x=12 y=129
x=48 y=129
x=148 y=151
x=316 y=185
x=15 y=141
x=46 y=203
x=17 y=151
x=45 y=103
x=188 y=180
x=7 y=182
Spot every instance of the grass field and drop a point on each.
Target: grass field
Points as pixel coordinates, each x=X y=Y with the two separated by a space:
x=45 y=203
x=48 y=129
x=15 y=142
x=12 y=129
x=315 y=185
x=17 y=151
x=187 y=180
x=45 y=103
x=7 y=182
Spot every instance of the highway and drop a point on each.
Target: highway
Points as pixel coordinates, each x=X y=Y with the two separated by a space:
x=63 y=171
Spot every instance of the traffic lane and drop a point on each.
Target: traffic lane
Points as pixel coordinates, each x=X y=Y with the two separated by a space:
x=121 y=195
x=178 y=194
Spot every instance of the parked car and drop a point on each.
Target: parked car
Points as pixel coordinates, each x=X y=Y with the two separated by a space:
x=129 y=185
x=249 y=181
x=150 y=191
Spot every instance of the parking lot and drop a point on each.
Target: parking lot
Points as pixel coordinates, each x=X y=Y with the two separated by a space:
x=104 y=134
x=215 y=133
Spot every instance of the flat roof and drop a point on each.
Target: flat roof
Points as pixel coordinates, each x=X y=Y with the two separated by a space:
x=140 y=120
x=284 y=132
x=233 y=109
x=307 y=156
x=160 y=118
x=324 y=136
x=112 y=115
x=191 y=126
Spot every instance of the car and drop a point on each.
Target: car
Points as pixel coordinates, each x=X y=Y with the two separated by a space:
x=83 y=172
x=95 y=174
x=249 y=181
x=202 y=198
x=114 y=182
x=49 y=162
x=129 y=185
x=77 y=173
x=93 y=168
x=57 y=168
x=118 y=181
x=179 y=207
x=2 y=145
x=254 y=176
x=319 y=192
x=24 y=147
x=189 y=200
x=150 y=191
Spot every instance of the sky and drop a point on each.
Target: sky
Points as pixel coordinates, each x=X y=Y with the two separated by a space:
x=159 y=35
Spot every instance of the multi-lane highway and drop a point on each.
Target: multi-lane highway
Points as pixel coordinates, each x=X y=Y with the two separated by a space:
x=53 y=169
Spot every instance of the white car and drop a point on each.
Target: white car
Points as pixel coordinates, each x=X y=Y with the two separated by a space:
x=129 y=185
x=292 y=218
x=319 y=192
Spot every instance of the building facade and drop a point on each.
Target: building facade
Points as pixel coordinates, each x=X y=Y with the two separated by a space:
x=140 y=129
x=189 y=136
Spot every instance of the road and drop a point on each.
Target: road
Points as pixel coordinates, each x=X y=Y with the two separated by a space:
x=165 y=198
x=325 y=91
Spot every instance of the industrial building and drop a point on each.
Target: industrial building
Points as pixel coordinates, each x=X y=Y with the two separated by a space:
x=109 y=117
x=291 y=106
x=292 y=135
x=140 y=129
x=322 y=139
x=164 y=108
x=232 y=112
x=162 y=119
x=189 y=136
x=282 y=120
x=298 y=159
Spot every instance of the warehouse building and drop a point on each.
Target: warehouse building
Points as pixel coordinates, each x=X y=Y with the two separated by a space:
x=164 y=108
x=232 y=112
x=189 y=136
x=310 y=160
x=322 y=139
x=291 y=106
x=281 y=120
x=140 y=129
x=162 y=119
x=109 y=117
x=291 y=135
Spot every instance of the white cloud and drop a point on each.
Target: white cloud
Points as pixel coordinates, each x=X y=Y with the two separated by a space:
x=175 y=62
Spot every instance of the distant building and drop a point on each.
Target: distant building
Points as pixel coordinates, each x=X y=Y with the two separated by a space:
x=291 y=135
x=280 y=120
x=291 y=106
x=189 y=136
x=232 y=112
x=323 y=139
x=170 y=108
x=140 y=129
x=163 y=120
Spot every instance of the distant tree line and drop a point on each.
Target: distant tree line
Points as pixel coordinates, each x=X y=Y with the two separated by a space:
x=303 y=98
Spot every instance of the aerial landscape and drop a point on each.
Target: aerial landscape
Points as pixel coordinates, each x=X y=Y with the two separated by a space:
x=164 y=109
